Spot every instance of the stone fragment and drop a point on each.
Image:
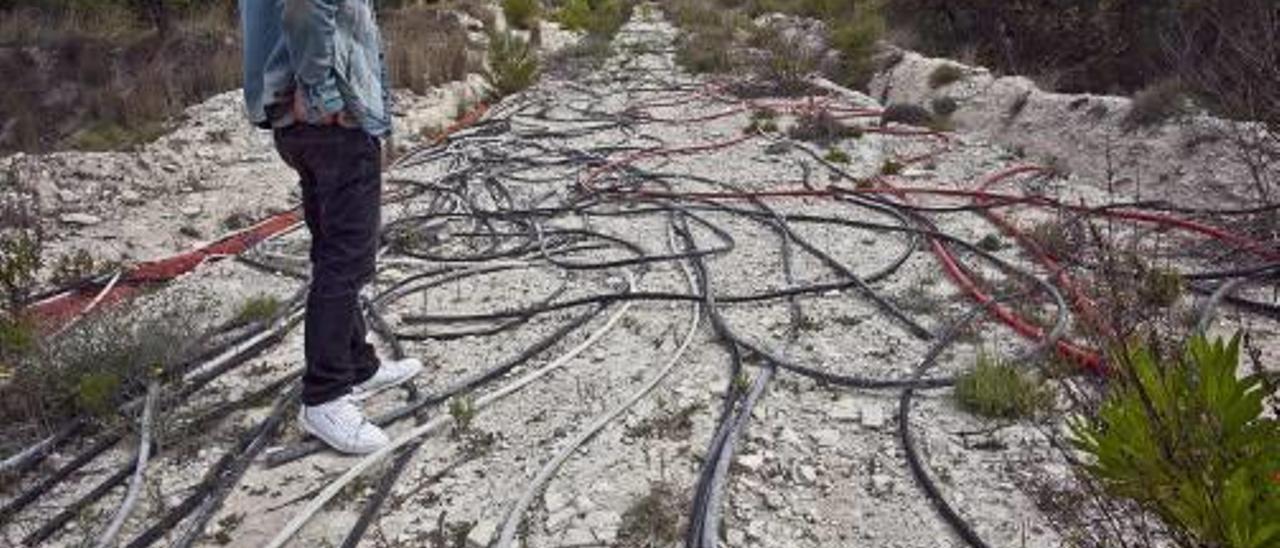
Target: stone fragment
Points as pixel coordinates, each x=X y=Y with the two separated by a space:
x=81 y=219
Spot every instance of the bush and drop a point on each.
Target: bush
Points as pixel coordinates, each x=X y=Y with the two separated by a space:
x=513 y=66
x=256 y=309
x=597 y=17
x=425 y=46
x=521 y=14
x=945 y=74
x=856 y=38
x=1186 y=439
x=1155 y=104
x=1000 y=390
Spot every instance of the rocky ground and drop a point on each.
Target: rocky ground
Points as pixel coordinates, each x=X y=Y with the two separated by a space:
x=817 y=465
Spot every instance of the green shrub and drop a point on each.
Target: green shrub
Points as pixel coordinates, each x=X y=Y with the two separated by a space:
x=945 y=74
x=513 y=65
x=1186 y=438
x=1000 y=390
x=597 y=17
x=891 y=167
x=705 y=51
x=837 y=156
x=256 y=309
x=855 y=37
x=20 y=261
x=521 y=14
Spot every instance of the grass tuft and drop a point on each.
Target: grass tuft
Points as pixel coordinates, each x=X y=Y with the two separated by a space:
x=656 y=519
x=999 y=390
x=944 y=75
x=513 y=65
x=256 y=309
x=521 y=14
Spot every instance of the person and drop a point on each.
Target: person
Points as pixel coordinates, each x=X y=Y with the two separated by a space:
x=314 y=75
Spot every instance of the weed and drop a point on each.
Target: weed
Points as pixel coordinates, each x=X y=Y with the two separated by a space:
x=521 y=14
x=944 y=106
x=237 y=220
x=818 y=126
x=944 y=75
x=906 y=113
x=20 y=261
x=1187 y=439
x=1155 y=104
x=513 y=66
x=463 y=411
x=601 y=18
x=855 y=38
x=836 y=156
x=656 y=519
x=891 y=167
x=990 y=243
x=1161 y=287
x=788 y=61
x=256 y=309
x=676 y=425
x=425 y=46
x=705 y=51
x=73 y=267
x=1000 y=390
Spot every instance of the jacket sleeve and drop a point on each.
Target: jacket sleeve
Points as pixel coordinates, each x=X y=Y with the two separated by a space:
x=309 y=27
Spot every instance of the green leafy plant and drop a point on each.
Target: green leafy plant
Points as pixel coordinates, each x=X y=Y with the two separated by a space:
x=463 y=411
x=597 y=17
x=521 y=14
x=256 y=309
x=513 y=65
x=20 y=260
x=945 y=74
x=1186 y=439
x=891 y=167
x=837 y=156
x=997 y=389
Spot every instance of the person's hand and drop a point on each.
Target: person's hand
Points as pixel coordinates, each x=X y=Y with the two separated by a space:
x=300 y=109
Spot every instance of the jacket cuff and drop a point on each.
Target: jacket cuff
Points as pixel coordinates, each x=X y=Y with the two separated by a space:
x=323 y=100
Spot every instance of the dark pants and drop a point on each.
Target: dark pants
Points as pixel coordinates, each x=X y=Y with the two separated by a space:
x=341 y=180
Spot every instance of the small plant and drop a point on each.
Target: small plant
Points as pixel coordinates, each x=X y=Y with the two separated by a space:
x=855 y=37
x=1187 y=439
x=656 y=519
x=20 y=261
x=836 y=156
x=1000 y=390
x=990 y=243
x=256 y=309
x=944 y=75
x=906 y=113
x=1161 y=287
x=705 y=51
x=596 y=17
x=73 y=267
x=818 y=126
x=513 y=66
x=463 y=411
x=675 y=425
x=944 y=106
x=237 y=220
x=521 y=14
x=1155 y=104
x=891 y=167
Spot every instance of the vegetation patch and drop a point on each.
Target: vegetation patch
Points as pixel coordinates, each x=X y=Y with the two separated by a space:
x=656 y=519
x=1000 y=390
x=521 y=14
x=1186 y=438
x=513 y=65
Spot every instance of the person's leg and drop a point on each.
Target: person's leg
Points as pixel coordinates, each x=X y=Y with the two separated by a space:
x=362 y=353
x=342 y=197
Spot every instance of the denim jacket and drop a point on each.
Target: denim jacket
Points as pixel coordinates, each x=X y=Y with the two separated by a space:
x=329 y=49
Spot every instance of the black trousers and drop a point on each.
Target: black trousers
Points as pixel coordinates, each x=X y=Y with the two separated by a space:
x=341 y=178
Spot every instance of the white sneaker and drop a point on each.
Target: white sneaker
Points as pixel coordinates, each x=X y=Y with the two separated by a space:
x=393 y=373
x=340 y=424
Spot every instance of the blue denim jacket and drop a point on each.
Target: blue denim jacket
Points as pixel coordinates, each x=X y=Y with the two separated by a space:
x=328 y=48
